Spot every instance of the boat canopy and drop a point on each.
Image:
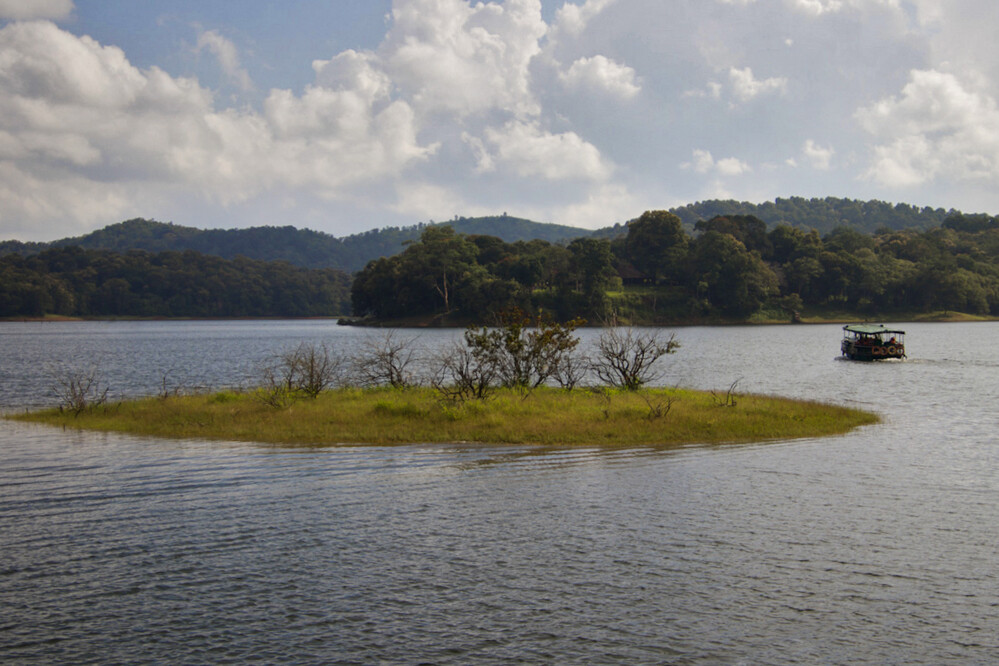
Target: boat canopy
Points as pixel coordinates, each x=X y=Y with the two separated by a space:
x=870 y=329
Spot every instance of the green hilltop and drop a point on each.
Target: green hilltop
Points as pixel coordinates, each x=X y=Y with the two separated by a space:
x=300 y=247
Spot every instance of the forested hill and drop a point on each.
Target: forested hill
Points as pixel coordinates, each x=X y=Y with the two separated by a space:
x=299 y=247
x=315 y=249
x=823 y=215
x=75 y=282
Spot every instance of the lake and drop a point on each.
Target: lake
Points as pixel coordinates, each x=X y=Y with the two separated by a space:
x=875 y=547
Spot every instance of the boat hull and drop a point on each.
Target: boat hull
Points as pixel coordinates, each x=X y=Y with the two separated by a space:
x=856 y=352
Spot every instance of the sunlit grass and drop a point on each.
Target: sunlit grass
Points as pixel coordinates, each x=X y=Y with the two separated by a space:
x=550 y=417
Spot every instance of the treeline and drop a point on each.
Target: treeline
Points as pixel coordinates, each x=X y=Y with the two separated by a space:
x=823 y=215
x=731 y=267
x=73 y=281
x=315 y=249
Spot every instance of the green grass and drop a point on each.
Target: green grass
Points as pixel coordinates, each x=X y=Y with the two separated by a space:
x=548 y=417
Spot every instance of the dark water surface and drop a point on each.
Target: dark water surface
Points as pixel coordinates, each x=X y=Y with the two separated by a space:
x=880 y=547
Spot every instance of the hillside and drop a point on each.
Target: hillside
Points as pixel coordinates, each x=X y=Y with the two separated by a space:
x=300 y=247
x=823 y=215
x=315 y=249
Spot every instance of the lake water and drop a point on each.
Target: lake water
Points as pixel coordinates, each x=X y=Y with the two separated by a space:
x=878 y=547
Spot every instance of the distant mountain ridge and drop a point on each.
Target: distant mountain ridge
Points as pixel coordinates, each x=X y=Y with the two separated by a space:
x=316 y=249
x=300 y=247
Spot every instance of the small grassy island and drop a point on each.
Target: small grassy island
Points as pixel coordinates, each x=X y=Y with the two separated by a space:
x=547 y=417
x=521 y=382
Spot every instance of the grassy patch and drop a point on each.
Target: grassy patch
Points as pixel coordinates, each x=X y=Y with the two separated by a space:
x=550 y=417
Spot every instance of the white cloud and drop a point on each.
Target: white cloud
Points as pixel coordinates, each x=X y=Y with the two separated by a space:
x=730 y=166
x=935 y=129
x=353 y=70
x=573 y=19
x=602 y=74
x=819 y=156
x=484 y=162
x=712 y=90
x=528 y=151
x=73 y=111
x=228 y=57
x=603 y=206
x=447 y=55
x=820 y=7
x=460 y=106
x=746 y=87
x=28 y=201
x=426 y=201
x=817 y=7
x=25 y=10
x=705 y=163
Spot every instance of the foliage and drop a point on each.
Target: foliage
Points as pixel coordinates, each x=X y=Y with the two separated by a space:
x=77 y=282
x=476 y=277
x=525 y=352
x=823 y=215
x=657 y=245
x=710 y=261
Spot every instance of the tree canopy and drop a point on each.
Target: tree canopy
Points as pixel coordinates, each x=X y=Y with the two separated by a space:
x=76 y=282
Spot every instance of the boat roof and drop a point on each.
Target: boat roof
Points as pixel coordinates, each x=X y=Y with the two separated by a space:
x=870 y=329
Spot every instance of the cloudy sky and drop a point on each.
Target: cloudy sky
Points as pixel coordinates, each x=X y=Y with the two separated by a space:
x=347 y=115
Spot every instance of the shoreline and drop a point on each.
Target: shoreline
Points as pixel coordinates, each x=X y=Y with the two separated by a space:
x=454 y=321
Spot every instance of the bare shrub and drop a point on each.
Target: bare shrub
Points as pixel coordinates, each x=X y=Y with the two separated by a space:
x=628 y=359
x=305 y=371
x=461 y=374
x=388 y=359
x=313 y=368
x=571 y=369
x=81 y=389
x=730 y=395
x=166 y=391
x=659 y=405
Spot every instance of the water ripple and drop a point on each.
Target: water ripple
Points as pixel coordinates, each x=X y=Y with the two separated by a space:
x=875 y=547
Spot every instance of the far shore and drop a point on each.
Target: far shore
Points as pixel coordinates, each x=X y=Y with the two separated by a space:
x=455 y=321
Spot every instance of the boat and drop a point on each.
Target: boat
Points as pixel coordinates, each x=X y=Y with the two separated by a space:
x=872 y=342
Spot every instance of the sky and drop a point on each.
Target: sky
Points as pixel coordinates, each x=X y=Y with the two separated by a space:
x=349 y=115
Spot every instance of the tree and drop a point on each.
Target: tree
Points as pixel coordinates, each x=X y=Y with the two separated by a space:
x=592 y=265
x=657 y=244
x=735 y=281
x=524 y=351
x=749 y=230
x=439 y=263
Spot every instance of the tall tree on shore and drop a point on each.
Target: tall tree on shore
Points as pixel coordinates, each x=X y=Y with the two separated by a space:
x=657 y=244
